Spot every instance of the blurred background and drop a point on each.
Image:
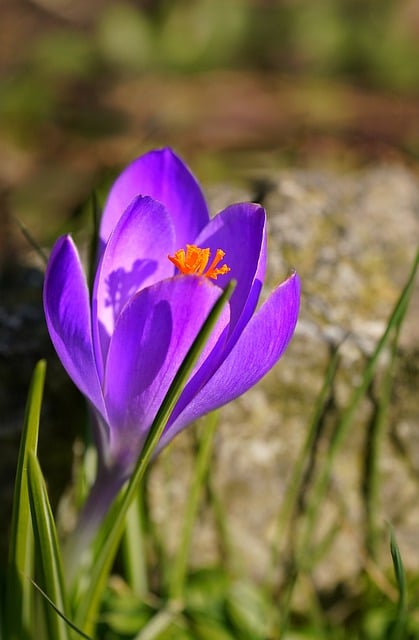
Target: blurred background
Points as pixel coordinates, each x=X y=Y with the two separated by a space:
x=237 y=87
x=233 y=85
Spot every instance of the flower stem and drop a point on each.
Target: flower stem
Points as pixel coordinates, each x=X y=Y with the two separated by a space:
x=77 y=548
x=177 y=578
x=133 y=552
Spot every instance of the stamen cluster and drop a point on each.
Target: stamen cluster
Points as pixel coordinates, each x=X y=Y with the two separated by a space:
x=194 y=261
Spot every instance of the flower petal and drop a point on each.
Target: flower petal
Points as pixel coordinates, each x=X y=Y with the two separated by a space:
x=260 y=346
x=240 y=231
x=151 y=339
x=134 y=258
x=67 y=311
x=246 y=223
x=163 y=176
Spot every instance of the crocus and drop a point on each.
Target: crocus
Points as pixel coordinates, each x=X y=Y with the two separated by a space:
x=162 y=264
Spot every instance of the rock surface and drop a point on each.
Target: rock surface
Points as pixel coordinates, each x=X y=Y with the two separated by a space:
x=352 y=239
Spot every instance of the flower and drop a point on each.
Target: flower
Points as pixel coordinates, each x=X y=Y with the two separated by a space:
x=162 y=264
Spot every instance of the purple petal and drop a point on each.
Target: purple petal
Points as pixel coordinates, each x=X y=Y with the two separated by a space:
x=163 y=176
x=240 y=231
x=246 y=223
x=134 y=258
x=260 y=346
x=152 y=337
x=67 y=311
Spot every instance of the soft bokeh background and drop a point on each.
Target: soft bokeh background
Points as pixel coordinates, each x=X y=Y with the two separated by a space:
x=241 y=89
x=234 y=85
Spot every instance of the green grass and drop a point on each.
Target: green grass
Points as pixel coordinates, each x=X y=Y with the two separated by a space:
x=221 y=601
x=148 y=591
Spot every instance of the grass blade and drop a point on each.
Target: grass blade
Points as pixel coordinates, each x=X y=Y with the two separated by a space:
x=47 y=552
x=398 y=626
x=305 y=554
x=18 y=611
x=133 y=547
x=202 y=463
x=56 y=609
x=371 y=472
x=87 y=611
x=158 y=625
x=290 y=502
x=394 y=323
x=289 y=508
x=347 y=417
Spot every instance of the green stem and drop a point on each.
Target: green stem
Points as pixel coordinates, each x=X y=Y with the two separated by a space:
x=133 y=551
x=203 y=459
x=157 y=625
x=398 y=629
x=374 y=438
x=343 y=425
x=304 y=556
x=230 y=557
x=289 y=505
x=87 y=611
x=77 y=554
x=18 y=611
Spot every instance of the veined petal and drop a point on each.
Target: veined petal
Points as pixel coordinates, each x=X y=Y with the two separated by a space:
x=151 y=339
x=163 y=176
x=240 y=231
x=134 y=258
x=67 y=311
x=260 y=346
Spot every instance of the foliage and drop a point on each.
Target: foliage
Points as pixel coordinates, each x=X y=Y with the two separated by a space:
x=166 y=599
x=373 y=43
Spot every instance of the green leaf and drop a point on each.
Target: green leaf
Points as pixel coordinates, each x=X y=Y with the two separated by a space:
x=206 y=591
x=394 y=323
x=125 y=614
x=47 y=552
x=88 y=609
x=18 y=610
x=201 y=468
x=398 y=626
x=123 y=610
x=161 y=626
x=70 y=624
x=305 y=555
x=250 y=611
x=133 y=547
x=208 y=629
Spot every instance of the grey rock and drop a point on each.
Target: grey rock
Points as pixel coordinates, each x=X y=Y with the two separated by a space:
x=352 y=238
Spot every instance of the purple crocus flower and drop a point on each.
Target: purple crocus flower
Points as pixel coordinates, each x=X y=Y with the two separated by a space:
x=162 y=264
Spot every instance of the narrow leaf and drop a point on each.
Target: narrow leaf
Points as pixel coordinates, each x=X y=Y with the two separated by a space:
x=87 y=612
x=398 y=627
x=133 y=547
x=394 y=324
x=47 y=552
x=18 y=610
x=201 y=467
x=157 y=625
x=56 y=609
x=305 y=555
x=348 y=415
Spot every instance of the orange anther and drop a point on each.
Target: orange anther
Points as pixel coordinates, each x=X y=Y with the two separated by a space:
x=194 y=261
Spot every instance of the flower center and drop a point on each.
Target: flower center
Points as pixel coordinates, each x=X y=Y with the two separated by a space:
x=194 y=261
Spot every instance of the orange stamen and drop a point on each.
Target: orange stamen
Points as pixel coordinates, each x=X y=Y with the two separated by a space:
x=194 y=261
